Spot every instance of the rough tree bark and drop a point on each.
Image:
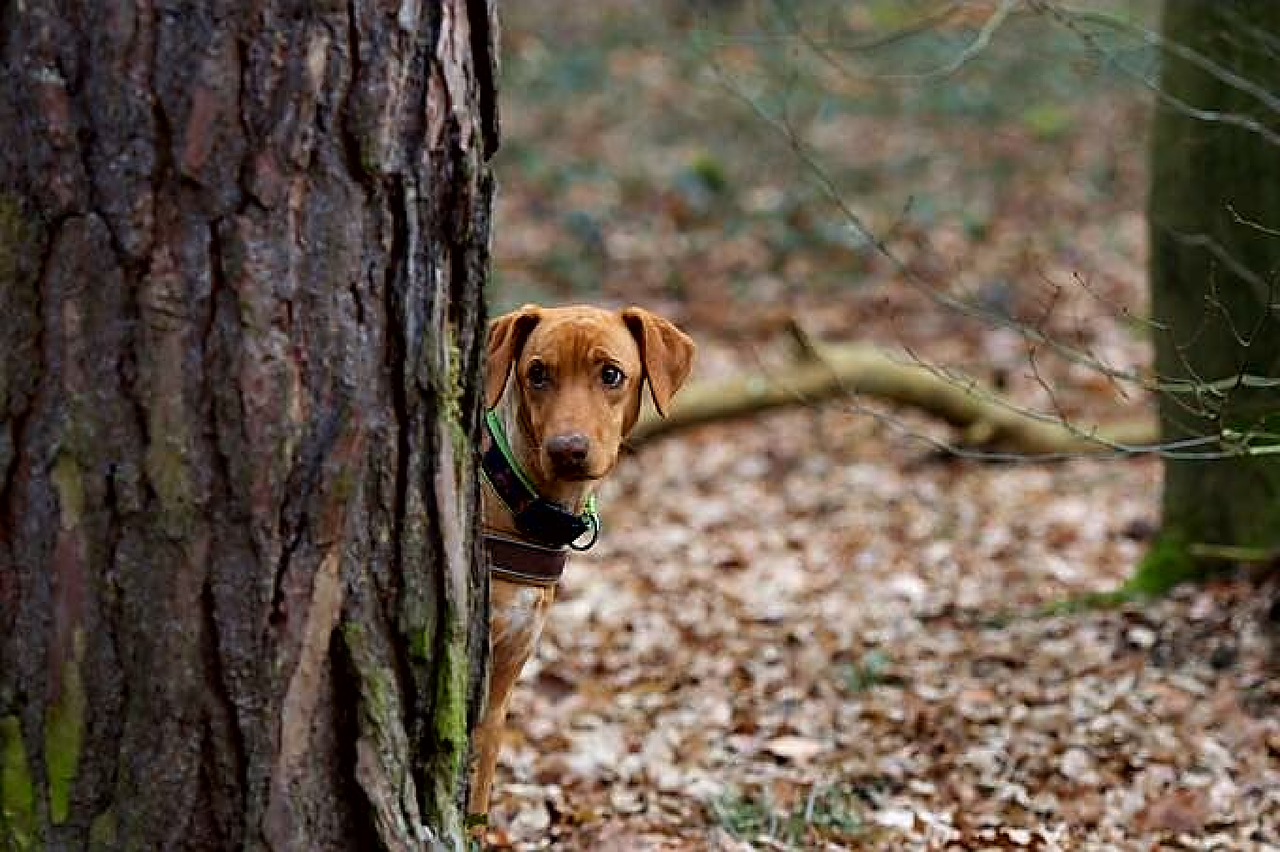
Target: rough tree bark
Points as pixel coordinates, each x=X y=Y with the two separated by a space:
x=1215 y=272
x=241 y=254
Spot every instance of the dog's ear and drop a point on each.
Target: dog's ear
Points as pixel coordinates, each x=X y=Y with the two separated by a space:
x=507 y=335
x=667 y=353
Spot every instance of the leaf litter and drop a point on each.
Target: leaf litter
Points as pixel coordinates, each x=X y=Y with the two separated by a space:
x=811 y=629
x=800 y=632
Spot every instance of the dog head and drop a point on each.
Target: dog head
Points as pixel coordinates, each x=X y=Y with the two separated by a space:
x=579 y=374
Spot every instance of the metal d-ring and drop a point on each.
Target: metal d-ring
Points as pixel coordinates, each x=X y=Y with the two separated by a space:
x=594 y=520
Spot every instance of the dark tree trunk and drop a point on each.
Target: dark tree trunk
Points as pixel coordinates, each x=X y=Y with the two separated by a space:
x=241 y=255
x=1215 y=274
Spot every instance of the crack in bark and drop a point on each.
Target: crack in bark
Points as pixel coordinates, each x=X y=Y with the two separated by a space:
x=220 y=491
x=396 y=365
x=484 y=53
x=163 y=164
x=21 y=419
x=220 y=691
x=349 y=139
x=291 y=539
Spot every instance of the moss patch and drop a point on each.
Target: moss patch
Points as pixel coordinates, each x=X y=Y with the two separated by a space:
x=64 y=736
x=448 y=733
x=67 y=480
x=166 y=467
x=451 y=397
x=420 y=646
x=450 y=716
x=17 y=796
x=1168 y=563
x=103 y=833
x=376 y=681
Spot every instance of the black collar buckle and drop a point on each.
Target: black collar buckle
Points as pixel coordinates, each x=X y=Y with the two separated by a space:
x=540 y=520
x=551 y=524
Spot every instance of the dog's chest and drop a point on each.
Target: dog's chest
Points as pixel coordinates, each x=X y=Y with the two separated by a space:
x=518 y=614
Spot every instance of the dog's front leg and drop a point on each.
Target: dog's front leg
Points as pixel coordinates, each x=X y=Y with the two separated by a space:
x=516 y=619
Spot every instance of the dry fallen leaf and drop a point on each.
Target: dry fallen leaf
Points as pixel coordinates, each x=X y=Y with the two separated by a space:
x=798 y=749
x=1182 y=811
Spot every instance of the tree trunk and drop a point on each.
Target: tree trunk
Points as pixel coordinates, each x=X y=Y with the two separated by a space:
x=241 y=255
x=1215 y=272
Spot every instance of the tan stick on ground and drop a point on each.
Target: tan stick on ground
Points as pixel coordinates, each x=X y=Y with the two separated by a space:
x=828 y=371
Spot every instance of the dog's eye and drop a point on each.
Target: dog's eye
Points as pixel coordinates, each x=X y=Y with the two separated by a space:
x=539 y=375
x=611 y=376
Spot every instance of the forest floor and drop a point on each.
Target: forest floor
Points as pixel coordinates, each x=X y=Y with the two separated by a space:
x=818 y=629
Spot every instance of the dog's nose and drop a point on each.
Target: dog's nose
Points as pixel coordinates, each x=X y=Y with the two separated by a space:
x=568 y=450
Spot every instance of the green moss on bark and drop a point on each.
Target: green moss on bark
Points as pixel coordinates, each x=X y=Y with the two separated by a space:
x=103 y=833
x=450 y=717
x=17 y=795
x=166 y=466
x=452 y=397
x=449 y=733
x=376 y=682
x=70 y=487
x=1167 y=563
x=64 y=725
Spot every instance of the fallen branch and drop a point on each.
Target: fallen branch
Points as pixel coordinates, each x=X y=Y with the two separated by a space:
x=826 y=371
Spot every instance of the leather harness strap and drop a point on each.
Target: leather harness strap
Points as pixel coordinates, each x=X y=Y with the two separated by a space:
x=523 y=561
x=546 y=531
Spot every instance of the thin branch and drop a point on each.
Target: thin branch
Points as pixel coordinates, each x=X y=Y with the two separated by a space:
x=1257 y=226
x=1206 y=115
x=1155 y=39
x=979 y=44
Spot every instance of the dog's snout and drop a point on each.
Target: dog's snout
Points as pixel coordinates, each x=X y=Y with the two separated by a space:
x=568 y=450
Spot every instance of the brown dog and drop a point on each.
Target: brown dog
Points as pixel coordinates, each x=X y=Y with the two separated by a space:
x=553 y=433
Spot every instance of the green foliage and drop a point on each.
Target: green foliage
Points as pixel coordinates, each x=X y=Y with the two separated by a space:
x=1169 y=561
x=1087 y=602
x=828 y=812
x=871 y=670
x=709 y=172
x=1047 y=120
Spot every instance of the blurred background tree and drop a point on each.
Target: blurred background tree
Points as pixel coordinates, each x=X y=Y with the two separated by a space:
x=1214 y=218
